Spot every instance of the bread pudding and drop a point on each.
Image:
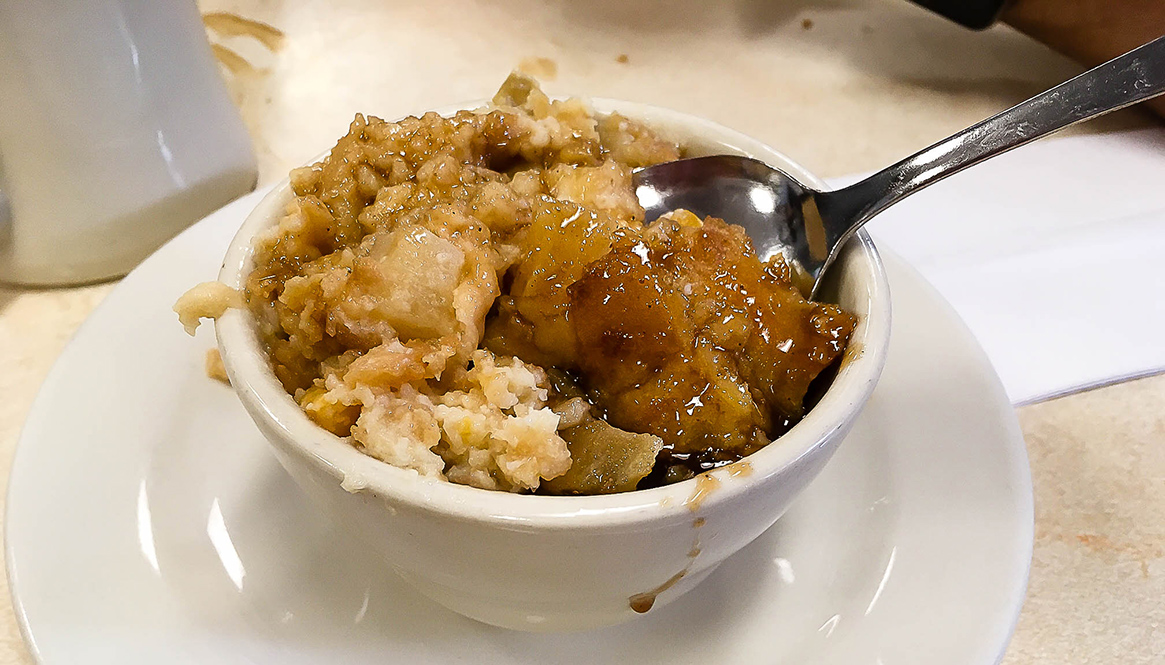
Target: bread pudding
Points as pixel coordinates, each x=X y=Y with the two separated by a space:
x=479 y=298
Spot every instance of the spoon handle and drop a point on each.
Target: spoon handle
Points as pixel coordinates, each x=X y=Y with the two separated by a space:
x=1128 y=79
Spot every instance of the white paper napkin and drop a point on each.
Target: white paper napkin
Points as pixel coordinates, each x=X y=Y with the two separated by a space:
x=1053 y=254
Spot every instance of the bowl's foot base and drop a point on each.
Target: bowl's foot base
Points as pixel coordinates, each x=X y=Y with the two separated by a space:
x=563 y=616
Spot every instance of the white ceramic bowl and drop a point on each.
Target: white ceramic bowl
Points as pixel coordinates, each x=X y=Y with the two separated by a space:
x=561 y=563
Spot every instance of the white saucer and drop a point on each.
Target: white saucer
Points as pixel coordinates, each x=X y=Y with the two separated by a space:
x=148 y=523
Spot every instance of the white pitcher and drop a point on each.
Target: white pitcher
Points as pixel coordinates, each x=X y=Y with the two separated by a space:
x=116 y=132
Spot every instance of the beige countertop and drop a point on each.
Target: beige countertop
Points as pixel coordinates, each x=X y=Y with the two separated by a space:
x=839 y=85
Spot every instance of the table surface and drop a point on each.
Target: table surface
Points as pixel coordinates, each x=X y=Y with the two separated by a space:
x=840 y=85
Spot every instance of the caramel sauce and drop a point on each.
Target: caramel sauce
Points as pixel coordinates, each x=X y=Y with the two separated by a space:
x=706 y=484
x=739 y=469
x=814 y=230
x=853 y=351
x=643 y=602
x=229 y=24
x=234 y=62
x=684 y=333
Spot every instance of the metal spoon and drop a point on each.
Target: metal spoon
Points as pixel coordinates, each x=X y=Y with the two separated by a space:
x=810 y=226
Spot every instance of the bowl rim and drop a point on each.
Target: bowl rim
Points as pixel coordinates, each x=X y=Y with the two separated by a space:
x=277 y=413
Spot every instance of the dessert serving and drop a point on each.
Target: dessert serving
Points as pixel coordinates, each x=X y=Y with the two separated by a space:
x=479 y=298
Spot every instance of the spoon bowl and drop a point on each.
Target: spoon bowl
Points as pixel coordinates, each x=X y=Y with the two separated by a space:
x=766 y=201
